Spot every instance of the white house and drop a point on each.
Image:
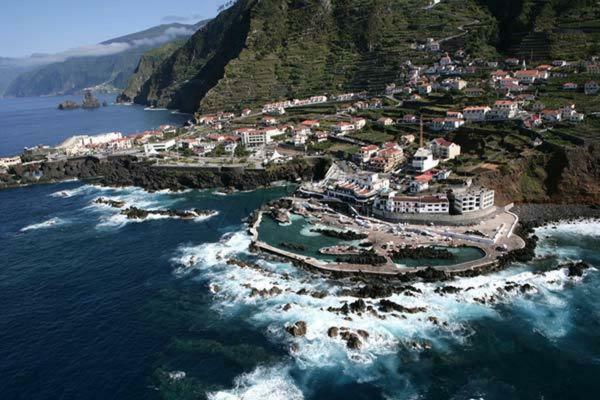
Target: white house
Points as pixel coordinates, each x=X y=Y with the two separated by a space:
x=365 y=153
x=343 y=127
x=425 y=89
x=476 y=114
x=407 y=139
x=451 y=124
x=385 y=121
x=528 y=76
x=444 y=149
x=455 y=83
x=359 y=189
x=230 y=147
x=437 y=124
x=155 y=148
x=569 y=86
x=6 y=162
x=454 y=114
x=359 y=123
x=503 y=110
x=409 y=119
x=552 y=115
x=394 y=205
x=253 y=138
x=423 y=160
x=576 y=117
x=321 y=136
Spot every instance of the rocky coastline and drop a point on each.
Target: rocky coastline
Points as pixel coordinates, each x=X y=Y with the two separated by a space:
x=534 y=215
x=131 y=171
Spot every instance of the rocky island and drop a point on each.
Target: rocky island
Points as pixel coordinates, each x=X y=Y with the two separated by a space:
x=68 y=105
x=88 y=102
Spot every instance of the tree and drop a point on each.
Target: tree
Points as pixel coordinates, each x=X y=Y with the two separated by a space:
x=240 y=151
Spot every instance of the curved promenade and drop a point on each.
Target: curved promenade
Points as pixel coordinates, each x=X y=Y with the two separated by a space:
x=489 y=259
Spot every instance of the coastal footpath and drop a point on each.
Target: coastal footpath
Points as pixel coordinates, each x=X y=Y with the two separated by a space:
x=131 y=171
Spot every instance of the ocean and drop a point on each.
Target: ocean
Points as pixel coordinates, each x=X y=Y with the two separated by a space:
x=95 y=306
x=35 y=120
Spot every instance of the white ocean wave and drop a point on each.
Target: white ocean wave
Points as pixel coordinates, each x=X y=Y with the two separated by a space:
x=538 y=297
x=211 y=254
x=50 y=223
x=66 y=193
x=446 y=316
x=587 y=227
x=272 y=383
x=130 y=196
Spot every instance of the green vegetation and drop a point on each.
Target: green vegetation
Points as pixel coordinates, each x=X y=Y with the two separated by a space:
x=241 y=151
x=147 y=64
x=260 y=51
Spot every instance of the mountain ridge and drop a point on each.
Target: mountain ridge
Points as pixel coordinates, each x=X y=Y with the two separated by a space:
x=76 y=73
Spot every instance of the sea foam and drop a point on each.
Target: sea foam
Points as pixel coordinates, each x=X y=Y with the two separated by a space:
x=477 y=297
x=50 y=223
x=263 y=383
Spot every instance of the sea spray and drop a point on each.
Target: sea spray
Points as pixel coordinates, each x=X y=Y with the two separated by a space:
x=50 y=223
x=445 y=323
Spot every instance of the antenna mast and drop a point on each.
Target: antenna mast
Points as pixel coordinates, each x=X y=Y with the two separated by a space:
x=421 y=132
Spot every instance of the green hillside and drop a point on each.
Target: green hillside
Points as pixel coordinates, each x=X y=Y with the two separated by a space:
x=260 y=51
x=146 y=66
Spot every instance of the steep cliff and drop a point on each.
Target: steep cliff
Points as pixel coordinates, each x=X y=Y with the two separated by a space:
x=149 y=62
x=259 y=51
x=560 y=175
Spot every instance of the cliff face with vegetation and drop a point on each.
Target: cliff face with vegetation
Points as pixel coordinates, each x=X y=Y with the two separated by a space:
x=546 y=29
x=559 y=175
x=149 y=62
x=260 y=51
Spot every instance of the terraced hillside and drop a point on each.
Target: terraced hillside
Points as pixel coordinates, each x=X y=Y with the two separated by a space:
x=259 y=51
x=547 y=29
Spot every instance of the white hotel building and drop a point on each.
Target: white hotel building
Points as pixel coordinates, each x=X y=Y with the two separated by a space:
x=359 y=189
x=472 y=200
x=392 y=204
x=476 y=114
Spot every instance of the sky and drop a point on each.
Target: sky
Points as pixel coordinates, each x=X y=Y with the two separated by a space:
x=43 y=26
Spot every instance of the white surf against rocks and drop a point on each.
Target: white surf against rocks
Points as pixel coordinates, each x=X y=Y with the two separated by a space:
x=277 y=294
x=263 y=383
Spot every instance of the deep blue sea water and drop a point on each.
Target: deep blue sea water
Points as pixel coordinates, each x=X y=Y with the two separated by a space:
x=36 y=120
x=93 y=306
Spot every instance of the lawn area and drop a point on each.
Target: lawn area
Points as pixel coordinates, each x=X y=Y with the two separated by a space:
x=371 y=136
